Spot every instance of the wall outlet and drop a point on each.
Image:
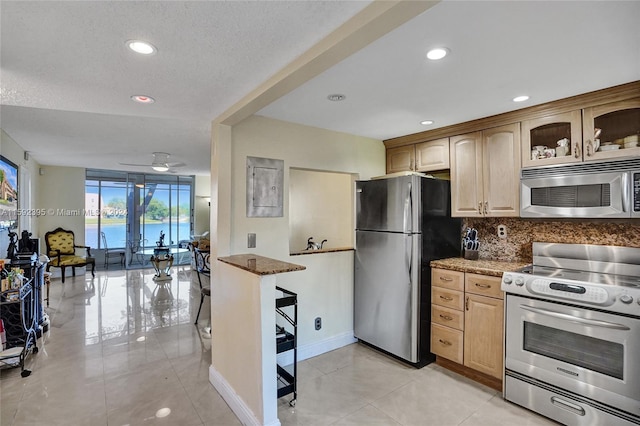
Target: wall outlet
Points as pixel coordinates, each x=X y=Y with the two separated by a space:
x=318 y=323
x=251 y=240
x=502 y=231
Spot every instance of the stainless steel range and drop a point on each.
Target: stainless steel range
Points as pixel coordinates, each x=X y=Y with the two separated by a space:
x=573 y=334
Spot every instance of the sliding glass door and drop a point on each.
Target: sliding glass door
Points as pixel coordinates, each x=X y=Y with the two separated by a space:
x=148 y=206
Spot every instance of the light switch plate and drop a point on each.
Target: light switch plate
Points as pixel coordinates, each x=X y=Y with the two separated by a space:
x=251 y=240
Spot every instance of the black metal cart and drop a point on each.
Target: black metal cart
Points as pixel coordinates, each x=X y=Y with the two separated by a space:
x=19 y=311
x=286 y=340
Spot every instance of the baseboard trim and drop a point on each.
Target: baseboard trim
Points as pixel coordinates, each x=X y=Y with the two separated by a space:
x=318 y=348
x=237 y=404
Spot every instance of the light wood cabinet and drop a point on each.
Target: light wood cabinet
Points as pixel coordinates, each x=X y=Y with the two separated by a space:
x=467 y=318
x=483 y=328
x=616 y=121
x=432 y=155
x=400 y=159
x=546 y=132
x=447 y=315
x=485 y=173
x=619 y=123
x=421 y=157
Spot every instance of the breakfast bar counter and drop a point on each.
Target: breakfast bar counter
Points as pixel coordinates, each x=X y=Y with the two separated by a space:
x=260 y=265
x=243 y=324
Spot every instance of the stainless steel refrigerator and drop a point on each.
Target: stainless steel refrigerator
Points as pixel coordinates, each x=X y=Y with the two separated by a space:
x=402 y=223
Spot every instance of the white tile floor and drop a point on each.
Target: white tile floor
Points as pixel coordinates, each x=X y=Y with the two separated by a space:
x=122 y=350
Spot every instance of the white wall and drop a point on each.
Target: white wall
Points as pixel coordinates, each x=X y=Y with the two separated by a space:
x=320 y=206
x=325 y=289
x=62 y=191
x=201 y=204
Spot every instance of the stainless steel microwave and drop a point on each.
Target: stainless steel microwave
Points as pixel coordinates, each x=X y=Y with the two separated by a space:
x=585 y=190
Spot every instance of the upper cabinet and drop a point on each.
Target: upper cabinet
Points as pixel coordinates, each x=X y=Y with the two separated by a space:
x=421 y=157
x=485 y=173
x=595 y=133
x=553 y=139
x=401 y=159
x=617 y=126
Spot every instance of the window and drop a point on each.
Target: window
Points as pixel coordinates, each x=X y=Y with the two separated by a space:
x=133 y=208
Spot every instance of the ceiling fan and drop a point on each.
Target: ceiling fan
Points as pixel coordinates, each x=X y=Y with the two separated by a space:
x=160 y=163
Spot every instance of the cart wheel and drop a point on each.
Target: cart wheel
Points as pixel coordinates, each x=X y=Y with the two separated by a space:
x=35 y=349
x=292 y=403
x=25 y=373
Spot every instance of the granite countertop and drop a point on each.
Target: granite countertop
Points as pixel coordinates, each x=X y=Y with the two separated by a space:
x=325 y=250
x=260 y=265
x=481 y=266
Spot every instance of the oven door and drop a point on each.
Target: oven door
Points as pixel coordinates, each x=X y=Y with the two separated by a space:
x=591 y=353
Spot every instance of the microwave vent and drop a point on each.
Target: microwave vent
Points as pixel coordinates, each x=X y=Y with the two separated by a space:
x=572 y=196
x=632 y=164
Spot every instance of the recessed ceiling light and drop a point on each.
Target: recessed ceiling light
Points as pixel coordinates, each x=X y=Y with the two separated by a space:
x=143 y=99
x=437 y=53
x=426 y=122
x=142 y=47
x=520 y=98
x=336 y=97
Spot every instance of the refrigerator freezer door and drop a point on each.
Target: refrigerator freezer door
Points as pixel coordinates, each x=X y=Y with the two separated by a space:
x=389 y=204
x=386 y=294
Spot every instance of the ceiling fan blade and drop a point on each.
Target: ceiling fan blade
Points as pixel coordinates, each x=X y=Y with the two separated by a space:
x=131 y=164
x=172 y=165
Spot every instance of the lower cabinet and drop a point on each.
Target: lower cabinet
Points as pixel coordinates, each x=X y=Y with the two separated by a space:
x=467 y=317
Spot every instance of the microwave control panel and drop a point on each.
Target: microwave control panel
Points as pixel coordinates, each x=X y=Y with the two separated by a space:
x=636 y=192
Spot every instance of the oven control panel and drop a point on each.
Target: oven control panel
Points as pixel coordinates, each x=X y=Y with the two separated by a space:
x=607 y=297
x=580 y=292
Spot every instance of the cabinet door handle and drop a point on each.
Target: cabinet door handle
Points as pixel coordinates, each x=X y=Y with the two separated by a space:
x=589 y=146
x=466 y=303
x=444 y=342
x=486 y=207
x=576 y=151
x=446 y=279
x=446 y=317
x=446 y=298
x=483 y=285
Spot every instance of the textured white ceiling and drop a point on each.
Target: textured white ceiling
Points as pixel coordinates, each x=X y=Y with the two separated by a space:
x=66 y=75
x=499 y=50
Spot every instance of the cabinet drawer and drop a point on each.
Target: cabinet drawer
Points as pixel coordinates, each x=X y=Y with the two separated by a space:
x=453 y=280
x=483 y=285
x=449 y=298
x=447 y=316
x=447 y=342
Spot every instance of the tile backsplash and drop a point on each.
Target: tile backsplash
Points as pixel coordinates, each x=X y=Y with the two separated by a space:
x=521 y=233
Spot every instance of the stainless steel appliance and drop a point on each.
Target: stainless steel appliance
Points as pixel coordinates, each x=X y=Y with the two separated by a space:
x=573 y=334
x=402 y=223
x=583 y=190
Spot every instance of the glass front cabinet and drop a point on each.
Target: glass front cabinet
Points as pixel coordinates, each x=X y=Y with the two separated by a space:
x=612 y=130
x=595 y=133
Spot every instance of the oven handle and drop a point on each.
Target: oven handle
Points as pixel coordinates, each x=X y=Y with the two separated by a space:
x=568 y=317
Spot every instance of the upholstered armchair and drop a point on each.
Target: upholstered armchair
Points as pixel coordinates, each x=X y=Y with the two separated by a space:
x=61 y=249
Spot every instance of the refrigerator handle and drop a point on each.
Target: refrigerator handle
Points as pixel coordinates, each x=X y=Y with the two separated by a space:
x=409 y=256
x=408 y=209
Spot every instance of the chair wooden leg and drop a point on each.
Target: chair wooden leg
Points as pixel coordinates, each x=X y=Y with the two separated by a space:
x=93 y=269
x=62 y=273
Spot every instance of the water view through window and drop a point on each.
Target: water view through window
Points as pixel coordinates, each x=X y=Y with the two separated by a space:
x=132 y=209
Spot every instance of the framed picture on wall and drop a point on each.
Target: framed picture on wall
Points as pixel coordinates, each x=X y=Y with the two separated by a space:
x=8 y=194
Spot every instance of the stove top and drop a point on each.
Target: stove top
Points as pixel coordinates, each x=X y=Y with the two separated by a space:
x=602 y=277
